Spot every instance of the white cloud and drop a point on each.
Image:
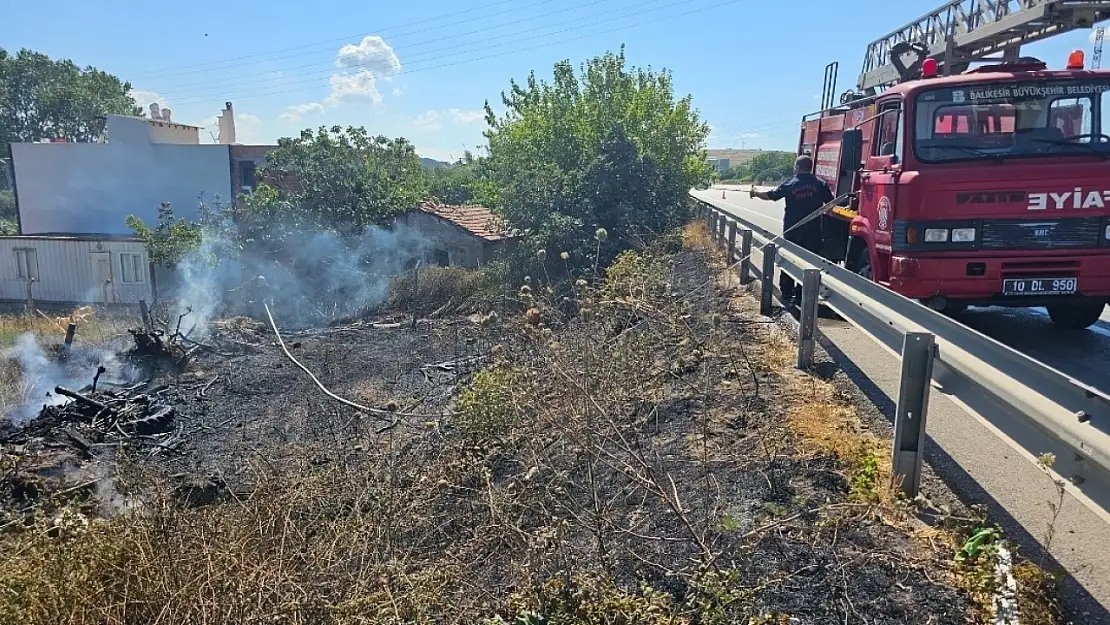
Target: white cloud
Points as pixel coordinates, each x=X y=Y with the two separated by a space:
x=751 y=135
x=145 y=98
x=360 y=68
x=248 y=129
x=428 y=120
x=467 y=117
x=397 y=91
x=356 y=87
x=295 y=112
x=433 y=119
x=373 y=54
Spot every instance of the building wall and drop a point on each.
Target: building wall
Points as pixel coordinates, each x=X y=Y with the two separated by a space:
x=463 y=249
x=75 y=271
x=246 y=160
x=91 y=188
x=169 y=132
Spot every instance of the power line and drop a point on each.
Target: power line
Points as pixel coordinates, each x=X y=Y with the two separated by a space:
x=266 y=55
x=247 y=95
x=204 y=86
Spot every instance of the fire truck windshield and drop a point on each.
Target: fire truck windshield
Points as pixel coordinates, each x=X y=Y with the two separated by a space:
x=1012 y=119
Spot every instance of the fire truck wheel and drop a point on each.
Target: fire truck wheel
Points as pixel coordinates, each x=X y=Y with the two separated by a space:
x=863 y=265
x=1076 y=317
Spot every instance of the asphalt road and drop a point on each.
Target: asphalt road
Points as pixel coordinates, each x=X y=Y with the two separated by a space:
x=1084 y=355
x=975 y=459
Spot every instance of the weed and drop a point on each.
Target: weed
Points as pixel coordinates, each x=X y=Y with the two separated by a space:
x=488 y=407
x=592 y=599
x=633 y=277
x=1038 y=594
x=696 y=236
x=1046 y=462
x=430 y=290
x=865 y=477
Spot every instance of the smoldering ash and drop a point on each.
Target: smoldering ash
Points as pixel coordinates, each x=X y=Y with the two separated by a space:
x=39 y=373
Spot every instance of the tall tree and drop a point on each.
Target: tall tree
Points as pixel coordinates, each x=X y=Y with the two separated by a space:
x=340 y=180
x=610 y=148
x=771 y=167
x=45 y=99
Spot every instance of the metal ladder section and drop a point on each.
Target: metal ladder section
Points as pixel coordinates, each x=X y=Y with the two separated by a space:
x=963 y=31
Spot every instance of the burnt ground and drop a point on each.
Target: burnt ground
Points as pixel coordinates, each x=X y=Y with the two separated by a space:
x=258 y=408
x=647 y=436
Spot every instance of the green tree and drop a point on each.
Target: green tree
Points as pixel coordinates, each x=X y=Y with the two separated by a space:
x=771 y=167
x=45 y=99
x=173 y=237
x=464 y=182
x=608 y=148
x=335 y=179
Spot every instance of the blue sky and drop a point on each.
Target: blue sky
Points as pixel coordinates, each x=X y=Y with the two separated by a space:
x=423 y=69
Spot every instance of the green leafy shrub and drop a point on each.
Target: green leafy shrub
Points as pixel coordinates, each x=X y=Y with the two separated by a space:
x=488 y=406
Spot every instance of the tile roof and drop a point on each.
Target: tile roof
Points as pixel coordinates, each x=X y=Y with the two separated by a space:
x=477 y=220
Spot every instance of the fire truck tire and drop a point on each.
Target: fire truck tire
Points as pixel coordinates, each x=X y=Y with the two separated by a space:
x=863 y=264
x=1076 y=317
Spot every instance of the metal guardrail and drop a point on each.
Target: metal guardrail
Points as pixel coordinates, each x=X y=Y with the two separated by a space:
x=1040 y=409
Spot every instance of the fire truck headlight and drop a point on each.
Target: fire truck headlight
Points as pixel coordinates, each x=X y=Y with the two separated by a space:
x=963 y=235
x=1106 y=234
x=936 y=235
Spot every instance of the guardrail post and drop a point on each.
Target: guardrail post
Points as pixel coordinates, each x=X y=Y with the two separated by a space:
x=746 y=255
x=721 y=225
x=807 y=329
x=731 y=242
x=913 y=407
x=712 y=223
x=768 y=293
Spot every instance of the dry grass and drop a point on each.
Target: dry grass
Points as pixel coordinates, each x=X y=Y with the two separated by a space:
x=434 y=291
x=622 y=460
x=826 y=423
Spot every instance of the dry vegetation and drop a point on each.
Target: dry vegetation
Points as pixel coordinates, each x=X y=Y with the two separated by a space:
x=639 y=452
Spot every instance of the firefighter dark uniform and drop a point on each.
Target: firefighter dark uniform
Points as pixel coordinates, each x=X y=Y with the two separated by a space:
x=804 y=193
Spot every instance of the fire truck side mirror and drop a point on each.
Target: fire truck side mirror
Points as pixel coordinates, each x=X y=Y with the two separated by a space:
x=851 y=151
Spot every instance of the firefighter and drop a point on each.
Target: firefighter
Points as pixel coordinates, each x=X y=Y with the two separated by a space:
x=804 y=193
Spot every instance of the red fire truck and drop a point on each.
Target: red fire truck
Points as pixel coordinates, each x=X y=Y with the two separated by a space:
x=972 y=186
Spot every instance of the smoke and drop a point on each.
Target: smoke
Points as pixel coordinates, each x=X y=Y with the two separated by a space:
x=203 y=276
x=312 y=278
x=39 y=373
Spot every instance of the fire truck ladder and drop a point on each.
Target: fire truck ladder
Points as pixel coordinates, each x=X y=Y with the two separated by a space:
x=965 y=31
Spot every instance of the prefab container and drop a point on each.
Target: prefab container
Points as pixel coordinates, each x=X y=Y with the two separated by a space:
x=62 y=270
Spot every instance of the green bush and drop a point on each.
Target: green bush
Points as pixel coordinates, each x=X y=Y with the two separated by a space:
x=487 y=407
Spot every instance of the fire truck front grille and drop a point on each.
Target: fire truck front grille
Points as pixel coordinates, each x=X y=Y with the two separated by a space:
x=1041 y=234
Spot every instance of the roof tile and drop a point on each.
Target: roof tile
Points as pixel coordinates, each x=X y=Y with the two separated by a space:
x=478 y=220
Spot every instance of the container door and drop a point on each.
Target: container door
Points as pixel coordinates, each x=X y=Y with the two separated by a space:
x=104 y=287
x=879 y=186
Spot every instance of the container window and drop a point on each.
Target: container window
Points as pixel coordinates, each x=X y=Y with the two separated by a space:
x=27 y=263
x=132 y=265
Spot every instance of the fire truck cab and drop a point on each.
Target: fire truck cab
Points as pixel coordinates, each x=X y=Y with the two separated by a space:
x=986 y=187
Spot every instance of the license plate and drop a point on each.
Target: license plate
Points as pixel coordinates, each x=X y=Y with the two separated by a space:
x=1040 y=286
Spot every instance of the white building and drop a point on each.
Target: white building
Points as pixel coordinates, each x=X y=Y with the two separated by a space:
x=63 y=271
x=91 y=188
